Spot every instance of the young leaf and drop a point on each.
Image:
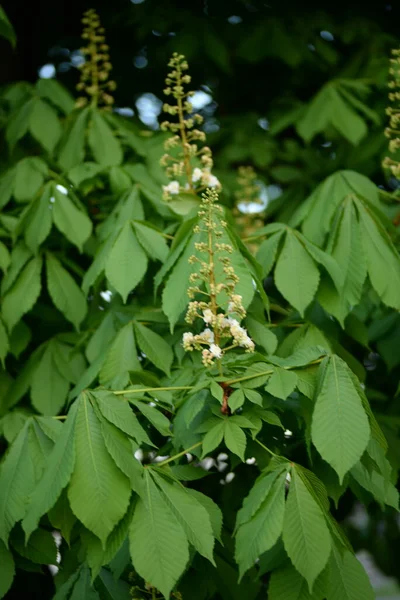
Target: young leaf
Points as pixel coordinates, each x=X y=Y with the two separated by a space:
x=305 y=533
x=296 y=275
x=340 y=429
x=44 y=125
x=64 y=291
x=157 y=350
x=127 y=262
x=72 y=222
x=104 y=145
x=23 y=294
x=158 y=543
x=94 y=475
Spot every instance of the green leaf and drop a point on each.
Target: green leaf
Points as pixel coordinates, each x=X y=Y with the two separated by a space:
x=41 y=547
x=296 y=275
x=6 y=31
x=266 y=253
x=20 y=337
x=191 y=515
x=62 y=518
x=94 y=475
x=121 y=359
x=259 y=533
x=38 y=221
x=44 y=125
x=156 y=418
x=111 y=588
x=286 y=583
x=49 y=389
x=262 y=335
x=157 y=350
x=83 y=588
x=340 y=429
x=118 y=412
x=84 y=171
x=72 y=222
x=348 y=579
x=127 y=262
x=152 y=241
x=213 y=438
x=23 y=294
x=4 y=343
x=18 y=124
x=104 y=145
x=7 y=567
x=305 y=533
x=52 y=90
x=65 y=292
x=158 y=544
x=28 y=178
x=73 y=149
x=214 y=512
x=236 y=400
x=281 y=383
x=6 y=187
x=56 y=475
x=235 y=438
x=383 y=260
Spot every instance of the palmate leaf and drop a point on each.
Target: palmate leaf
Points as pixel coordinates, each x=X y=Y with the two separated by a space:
x=49 y=388
x=158 y=543
x=157 y=350
x=45 y=125
x=261 y=531
x=340 y=429
x=121 y=358
x=73 y=149
x=305 y=533
x=296 y=275
x=104 y=145
x=95 y=474
x=38 y=221
x=281 y=383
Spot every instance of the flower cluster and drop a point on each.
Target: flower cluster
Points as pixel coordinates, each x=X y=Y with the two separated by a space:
x=95 y=69
x=221 y=310
x=393 y=130
x=187 y=165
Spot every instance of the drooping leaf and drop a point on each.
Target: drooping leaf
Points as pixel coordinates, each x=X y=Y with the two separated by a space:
x=73 y=149
x=158 y=544
x=104 y=145
x=94 y=475
x=49 y=388
x=340 y=428
x=64 y=291
x=348 y=580
x=23 y=294
x=287 y=583
x=38 y=221
x=152 y=241
x=305 y=533
x=296 y=275
x=121 y=358
x=44 y=125
x=7 y=568
x=155 y=347
x=72 y=222
x=127 y=262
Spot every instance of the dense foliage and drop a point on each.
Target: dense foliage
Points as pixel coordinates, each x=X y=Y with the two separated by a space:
x=196 y=384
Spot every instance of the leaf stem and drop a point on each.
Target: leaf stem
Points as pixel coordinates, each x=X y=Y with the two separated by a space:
x=61 y=417
x=267 y=449
x=153 y=389
x=171 y=458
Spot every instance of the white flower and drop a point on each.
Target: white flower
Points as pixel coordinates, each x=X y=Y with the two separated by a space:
x=213 y=182
x=215 y=351
x=207 y=315
x=187 y=337
x=197 y=174
x=172 y=187
x=208 y=335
